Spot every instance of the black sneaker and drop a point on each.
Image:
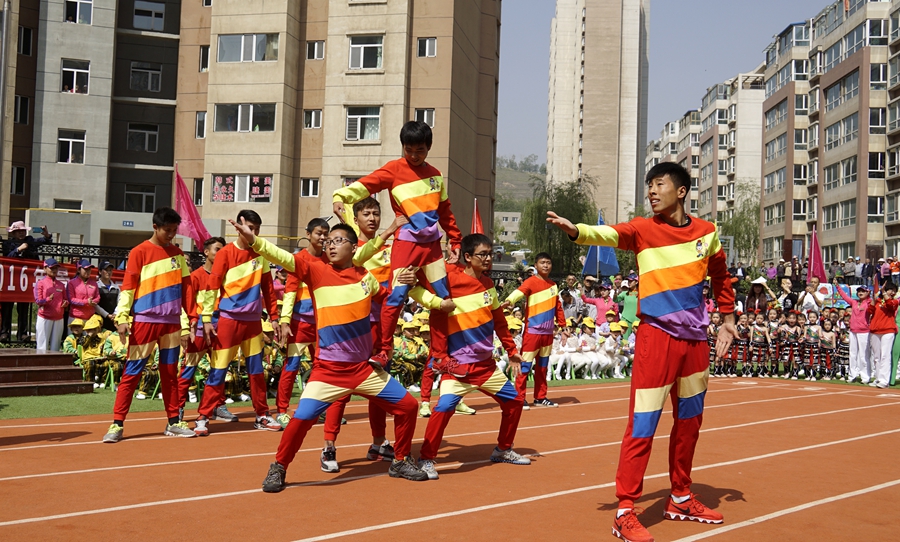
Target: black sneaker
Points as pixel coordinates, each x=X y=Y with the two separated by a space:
x=274 y=481
x=407 y=468
x=545 y=403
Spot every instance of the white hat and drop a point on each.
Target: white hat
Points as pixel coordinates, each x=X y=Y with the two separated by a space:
x=880 y=259
x=781 y=260
x=760 y=280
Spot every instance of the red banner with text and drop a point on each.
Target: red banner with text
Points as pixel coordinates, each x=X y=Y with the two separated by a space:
x=18 y=277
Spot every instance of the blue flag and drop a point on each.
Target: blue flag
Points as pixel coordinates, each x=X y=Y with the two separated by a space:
x=600 y=261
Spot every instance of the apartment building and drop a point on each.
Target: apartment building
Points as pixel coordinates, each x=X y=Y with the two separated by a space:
x=597 y=111
x=679 y=141
x=892 y=176
x=509 y=222
x=282 y=102
x=730 y=131
x=825 y=123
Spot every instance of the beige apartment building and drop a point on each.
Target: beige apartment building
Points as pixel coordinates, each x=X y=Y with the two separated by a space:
x=824 y=145
x=282 y=102
x=679 y=141
x=597 y=111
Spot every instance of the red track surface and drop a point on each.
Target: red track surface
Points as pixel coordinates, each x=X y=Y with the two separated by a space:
x=780 y=460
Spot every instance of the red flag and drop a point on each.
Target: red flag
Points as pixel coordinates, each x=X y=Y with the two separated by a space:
x=191 y=223
x=816 y=265
x=476 y=220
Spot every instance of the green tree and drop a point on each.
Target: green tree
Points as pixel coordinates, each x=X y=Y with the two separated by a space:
x=571 y=199
x=507 y=203
x=744 y=223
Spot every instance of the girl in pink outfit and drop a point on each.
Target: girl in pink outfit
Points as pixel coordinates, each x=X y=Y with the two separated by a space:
x=603 y=303
x=859 y=332
x=50 y=296
x=82 y=293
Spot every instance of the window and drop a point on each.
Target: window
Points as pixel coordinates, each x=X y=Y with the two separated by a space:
x=843 y=131
x=140 y=198
x=800 y=209
x=248 y=48
x=75 y=76
x=68 y=204
x=801 y=104
x=70 y=147
x=878 y=32
x=309 y=188
x=723 y=167
x=142 y=137
x=813 y=135
x=23 y=45
x=312 y=118
x=198 y=191
x=242 y=188
x=78 y=11
x=876 y=165
x=146 y=76
x=22 y=109
x=363 y=123
x=811 y=207
x=876 y=210
x=207 y=3
x=800 y=173
x=204 y=58
x=877 y=120
x=855 y=39
x=365 y=52
x=149 y=15
x=800 y=140
x=427 y=47
x=775 y=180
x=832 y=55
x=776 y=148
x=878 y=77
x=812 y=169
x=774 y=214
x=842 y=91
x=17 y=186
x=245 y=118
x=315 y=50
x=201 y=125
x=777 y=114
x=427 y=116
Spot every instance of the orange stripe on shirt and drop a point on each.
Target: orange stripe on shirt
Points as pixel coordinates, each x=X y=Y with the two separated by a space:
x=542 y=307
x=673 y=278
x=242 y=284
x=336 y=316
x=159 y=282
x=468 y=320
x=421 y=204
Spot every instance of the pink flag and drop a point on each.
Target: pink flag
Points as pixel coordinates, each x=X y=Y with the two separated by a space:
x=476 y=220
x=816 y=265
x=191 y=223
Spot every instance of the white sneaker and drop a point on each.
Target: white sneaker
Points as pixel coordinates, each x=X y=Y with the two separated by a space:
x=102 y=386
x=140 y=396
x=96 y=385
x=245 y=397
x=415 y=389
x=427 y=465
x=159 y=396
x=228 y=400
x=436 y=384
x=192 y=397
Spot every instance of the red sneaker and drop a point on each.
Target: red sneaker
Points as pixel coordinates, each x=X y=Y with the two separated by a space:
x=628 y=527
x=691 y=510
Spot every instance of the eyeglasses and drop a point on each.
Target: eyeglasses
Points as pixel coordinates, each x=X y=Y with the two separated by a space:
x=484 y=255
x=337 y=241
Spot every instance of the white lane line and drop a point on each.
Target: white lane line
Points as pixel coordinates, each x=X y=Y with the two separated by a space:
x=786 y=511
x=457 y=513
x=145 y=439
x=454 y=465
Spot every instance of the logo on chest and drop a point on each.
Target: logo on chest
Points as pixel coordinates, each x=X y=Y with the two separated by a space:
x=365 y=287
x=432 y=182
x=487 y=298
x=174 y=263
x=702 y=248
x=254 y=264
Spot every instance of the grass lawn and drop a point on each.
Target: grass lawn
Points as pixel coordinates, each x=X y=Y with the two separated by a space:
x=101 y=401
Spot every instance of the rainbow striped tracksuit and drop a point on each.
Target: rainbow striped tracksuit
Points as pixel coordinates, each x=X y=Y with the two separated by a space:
x=419 y=194
x=672 y=355
x=242 y=279
x=467 y=335
x=543 y=308
x=157 y=289
x=197 y=346
x=343 y=302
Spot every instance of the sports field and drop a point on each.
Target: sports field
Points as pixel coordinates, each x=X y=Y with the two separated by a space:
x=782 y=460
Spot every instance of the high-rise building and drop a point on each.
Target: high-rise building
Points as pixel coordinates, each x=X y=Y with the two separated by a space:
x=267 y=105
x=281 y=103
x=825 y=119
x=679 y=141
x=597 y=114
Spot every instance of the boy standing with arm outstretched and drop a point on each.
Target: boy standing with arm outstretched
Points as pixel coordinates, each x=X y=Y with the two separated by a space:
x=675 y=253
x=157 y=287
x=418 y=191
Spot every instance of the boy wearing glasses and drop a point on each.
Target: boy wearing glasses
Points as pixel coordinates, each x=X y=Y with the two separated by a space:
x=675 y=252
x=462 y=346
x=242 y=278
x=342 y=295
x=419 y=193
x=542 y=309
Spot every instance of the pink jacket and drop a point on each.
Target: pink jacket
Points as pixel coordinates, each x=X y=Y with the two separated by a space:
x=602 y=305
x=82 y=296
x=50 y=309
x=859 y=317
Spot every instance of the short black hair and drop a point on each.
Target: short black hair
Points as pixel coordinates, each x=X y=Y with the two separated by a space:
x=348 y=230
x=164 y=216
x=889 y=286
x=415 y=132
x=542 y=256
x=249 y=215
x=367 y=203
x=213 y=240
x=678 y=175
x=317 y=223
x=473 y=241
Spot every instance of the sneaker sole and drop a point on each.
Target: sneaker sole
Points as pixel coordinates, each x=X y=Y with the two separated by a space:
x=273 y=489
x=267 y=428
x=226 y=420
x=111 y=441
x=508 y=462
x=617 y=534
x=183 y=435
x=684 y=517
x=329 y=470
x=424 y=477
x=201 y=433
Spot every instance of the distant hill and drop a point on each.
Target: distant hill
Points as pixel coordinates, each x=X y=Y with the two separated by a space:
x=513 y=184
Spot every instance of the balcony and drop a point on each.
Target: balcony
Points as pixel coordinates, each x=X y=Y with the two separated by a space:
x=892 y=218
x=812 y=180
x=813 y=144
x=811 y=216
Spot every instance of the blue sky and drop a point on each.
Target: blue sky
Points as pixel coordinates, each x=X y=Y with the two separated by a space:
x=693 y=45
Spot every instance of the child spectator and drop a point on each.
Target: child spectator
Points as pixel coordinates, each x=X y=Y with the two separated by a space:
x=759 y=346
x=827 y=349
x=791 y=334
x=72 y=343
x=811 y=346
